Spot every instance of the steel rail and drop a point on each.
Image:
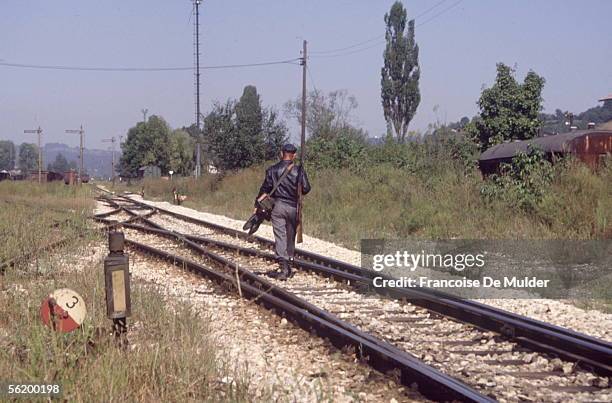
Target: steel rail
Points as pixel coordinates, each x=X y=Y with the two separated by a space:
x=116 y=210
x=589 y=352
x=431 y=382
x=379 y=354
x=600 y=364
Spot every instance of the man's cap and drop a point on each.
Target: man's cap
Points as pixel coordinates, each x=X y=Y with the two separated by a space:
x=289 y=148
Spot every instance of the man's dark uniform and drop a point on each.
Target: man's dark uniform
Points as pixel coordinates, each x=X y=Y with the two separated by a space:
x=284 y=214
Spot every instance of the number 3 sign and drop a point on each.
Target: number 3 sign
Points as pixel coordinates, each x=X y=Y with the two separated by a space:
x=63 y=310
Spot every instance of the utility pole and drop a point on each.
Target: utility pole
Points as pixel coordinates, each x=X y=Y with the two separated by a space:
x=81 y=132
x=144 y=115
x=197 y=86
x=40 y=162
x=112 y=141
x=197 y=61
x=302 y=141
x=304 y=67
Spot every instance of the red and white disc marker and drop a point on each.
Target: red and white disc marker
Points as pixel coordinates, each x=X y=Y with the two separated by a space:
x=63 y=310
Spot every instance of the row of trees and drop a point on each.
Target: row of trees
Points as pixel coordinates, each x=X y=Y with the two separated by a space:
x=236 y=134
x=61 y=164
x=240 y=133
x=26 y=158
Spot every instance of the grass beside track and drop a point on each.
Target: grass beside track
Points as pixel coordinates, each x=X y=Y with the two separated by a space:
x=170 y=358
x=384 y=202
x=33 y=216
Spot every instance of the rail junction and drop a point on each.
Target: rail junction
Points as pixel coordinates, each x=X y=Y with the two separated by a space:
x=448 y=347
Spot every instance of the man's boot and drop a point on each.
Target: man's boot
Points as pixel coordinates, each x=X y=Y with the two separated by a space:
x=283 y=273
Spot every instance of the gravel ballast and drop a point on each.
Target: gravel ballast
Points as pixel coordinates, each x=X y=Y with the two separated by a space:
x=558 y=312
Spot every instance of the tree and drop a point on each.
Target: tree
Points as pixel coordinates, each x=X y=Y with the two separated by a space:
x=219 y=132
x=249 y=139
x=28 y=157
x=326 y=115
x=147 y=143
x=508 y=110
x=275 y=134
x=400 y=72
x=60 y=164
x=7 y=154
x=182 y=146
x=236 y=134
x=240 y=134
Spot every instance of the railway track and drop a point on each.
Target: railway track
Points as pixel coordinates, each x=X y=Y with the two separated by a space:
x=452 y=349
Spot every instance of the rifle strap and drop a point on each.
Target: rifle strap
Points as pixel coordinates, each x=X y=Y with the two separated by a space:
x=286 y=171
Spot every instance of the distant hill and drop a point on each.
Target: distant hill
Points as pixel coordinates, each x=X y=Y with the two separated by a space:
x=555 y=123
x=96 y=162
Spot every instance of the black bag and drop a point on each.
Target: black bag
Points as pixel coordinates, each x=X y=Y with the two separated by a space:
x=266 y=201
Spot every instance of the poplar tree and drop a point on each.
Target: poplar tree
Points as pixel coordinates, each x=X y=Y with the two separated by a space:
x=249 y=147
x=400 y=72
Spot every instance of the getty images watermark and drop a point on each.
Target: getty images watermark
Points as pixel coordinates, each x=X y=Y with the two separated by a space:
x=493 y=269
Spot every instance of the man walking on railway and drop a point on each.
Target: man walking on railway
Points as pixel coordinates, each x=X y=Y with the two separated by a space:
x=279 y=194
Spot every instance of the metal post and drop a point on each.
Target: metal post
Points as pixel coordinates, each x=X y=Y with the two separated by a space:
x=39 y=132
x=197 y=57
x=300 y=230
x=117 y=285
x=197 y=88
x=304 y=67
x=198 y=159
x=81 y=167
x=112 y=141
x=81 y=132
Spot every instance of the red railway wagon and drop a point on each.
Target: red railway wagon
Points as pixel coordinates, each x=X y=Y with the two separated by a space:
x=46 y=176
x=70 y=178
x=589 y=146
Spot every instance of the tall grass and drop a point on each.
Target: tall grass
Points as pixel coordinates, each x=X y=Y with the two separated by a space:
x=169 y=357
x=434 y=203
x=34 y=215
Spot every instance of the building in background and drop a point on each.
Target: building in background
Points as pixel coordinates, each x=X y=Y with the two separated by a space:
x=589 y=146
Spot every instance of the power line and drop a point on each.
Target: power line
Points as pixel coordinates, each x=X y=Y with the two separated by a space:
x=380 y=41
x=380 y=38
x=376 y=37
x=312 y=82
x=440 y=13
x=146 y=69
x=430 y=8
x=319 y=52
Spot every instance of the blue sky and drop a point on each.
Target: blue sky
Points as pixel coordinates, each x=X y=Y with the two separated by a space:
x=568 y=42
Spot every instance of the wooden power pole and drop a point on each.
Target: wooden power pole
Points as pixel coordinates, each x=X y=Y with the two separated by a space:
x=81 y=132
x=302 y=143
x=40 y=162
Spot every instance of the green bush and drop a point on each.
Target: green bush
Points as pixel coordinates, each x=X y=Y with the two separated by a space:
x=523 y=183
x=347 y=150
